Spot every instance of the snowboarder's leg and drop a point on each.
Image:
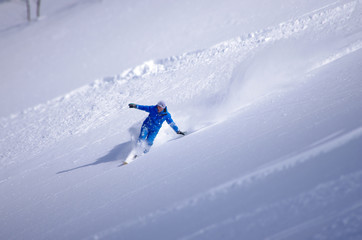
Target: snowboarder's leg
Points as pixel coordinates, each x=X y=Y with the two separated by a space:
x=145 y=140
x=141 y=142
x=150 y=138
x=143 y=134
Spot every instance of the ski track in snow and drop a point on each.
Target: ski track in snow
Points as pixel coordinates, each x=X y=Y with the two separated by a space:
x=315 y=198
x=302 y=204
x=106 y=99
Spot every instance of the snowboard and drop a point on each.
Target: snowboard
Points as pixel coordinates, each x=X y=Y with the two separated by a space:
x=131 y=157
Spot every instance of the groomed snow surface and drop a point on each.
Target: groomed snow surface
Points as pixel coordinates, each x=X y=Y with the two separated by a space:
x=271 y=98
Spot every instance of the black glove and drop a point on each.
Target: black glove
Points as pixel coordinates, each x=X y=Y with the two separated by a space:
x=179 y=132
x=132 y=105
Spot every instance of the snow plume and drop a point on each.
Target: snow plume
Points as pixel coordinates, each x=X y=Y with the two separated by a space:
x=275 y=68
x=279 y=56
x=271 y=60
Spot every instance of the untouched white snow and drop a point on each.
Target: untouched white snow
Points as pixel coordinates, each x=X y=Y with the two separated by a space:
x=273 y=108
x=77 y=41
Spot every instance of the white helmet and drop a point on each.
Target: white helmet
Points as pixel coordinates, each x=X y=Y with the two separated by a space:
x=161 y=104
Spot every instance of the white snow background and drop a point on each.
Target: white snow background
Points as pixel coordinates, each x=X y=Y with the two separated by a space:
x=270 y=92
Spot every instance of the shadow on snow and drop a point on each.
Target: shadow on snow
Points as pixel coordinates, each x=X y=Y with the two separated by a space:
x=118 y=153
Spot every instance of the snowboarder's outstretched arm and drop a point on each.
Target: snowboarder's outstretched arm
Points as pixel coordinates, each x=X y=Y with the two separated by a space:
x=168 y=118
x=140 y=107
x=173 y=125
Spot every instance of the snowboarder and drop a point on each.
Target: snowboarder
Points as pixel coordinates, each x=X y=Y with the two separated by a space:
x=157 y=115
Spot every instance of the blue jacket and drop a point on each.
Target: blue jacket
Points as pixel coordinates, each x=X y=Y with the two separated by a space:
x=155 y=119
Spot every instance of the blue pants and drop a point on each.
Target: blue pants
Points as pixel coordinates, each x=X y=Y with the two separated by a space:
x=147 y=136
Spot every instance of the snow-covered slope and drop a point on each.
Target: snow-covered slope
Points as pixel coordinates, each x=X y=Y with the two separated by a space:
x=275 y=151
x=77 y=41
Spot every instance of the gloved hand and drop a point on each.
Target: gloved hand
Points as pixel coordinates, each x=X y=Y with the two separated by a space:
x=132 y=105
x=182 y=133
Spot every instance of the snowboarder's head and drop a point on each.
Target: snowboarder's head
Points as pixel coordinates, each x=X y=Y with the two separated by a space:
x=161 y=105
